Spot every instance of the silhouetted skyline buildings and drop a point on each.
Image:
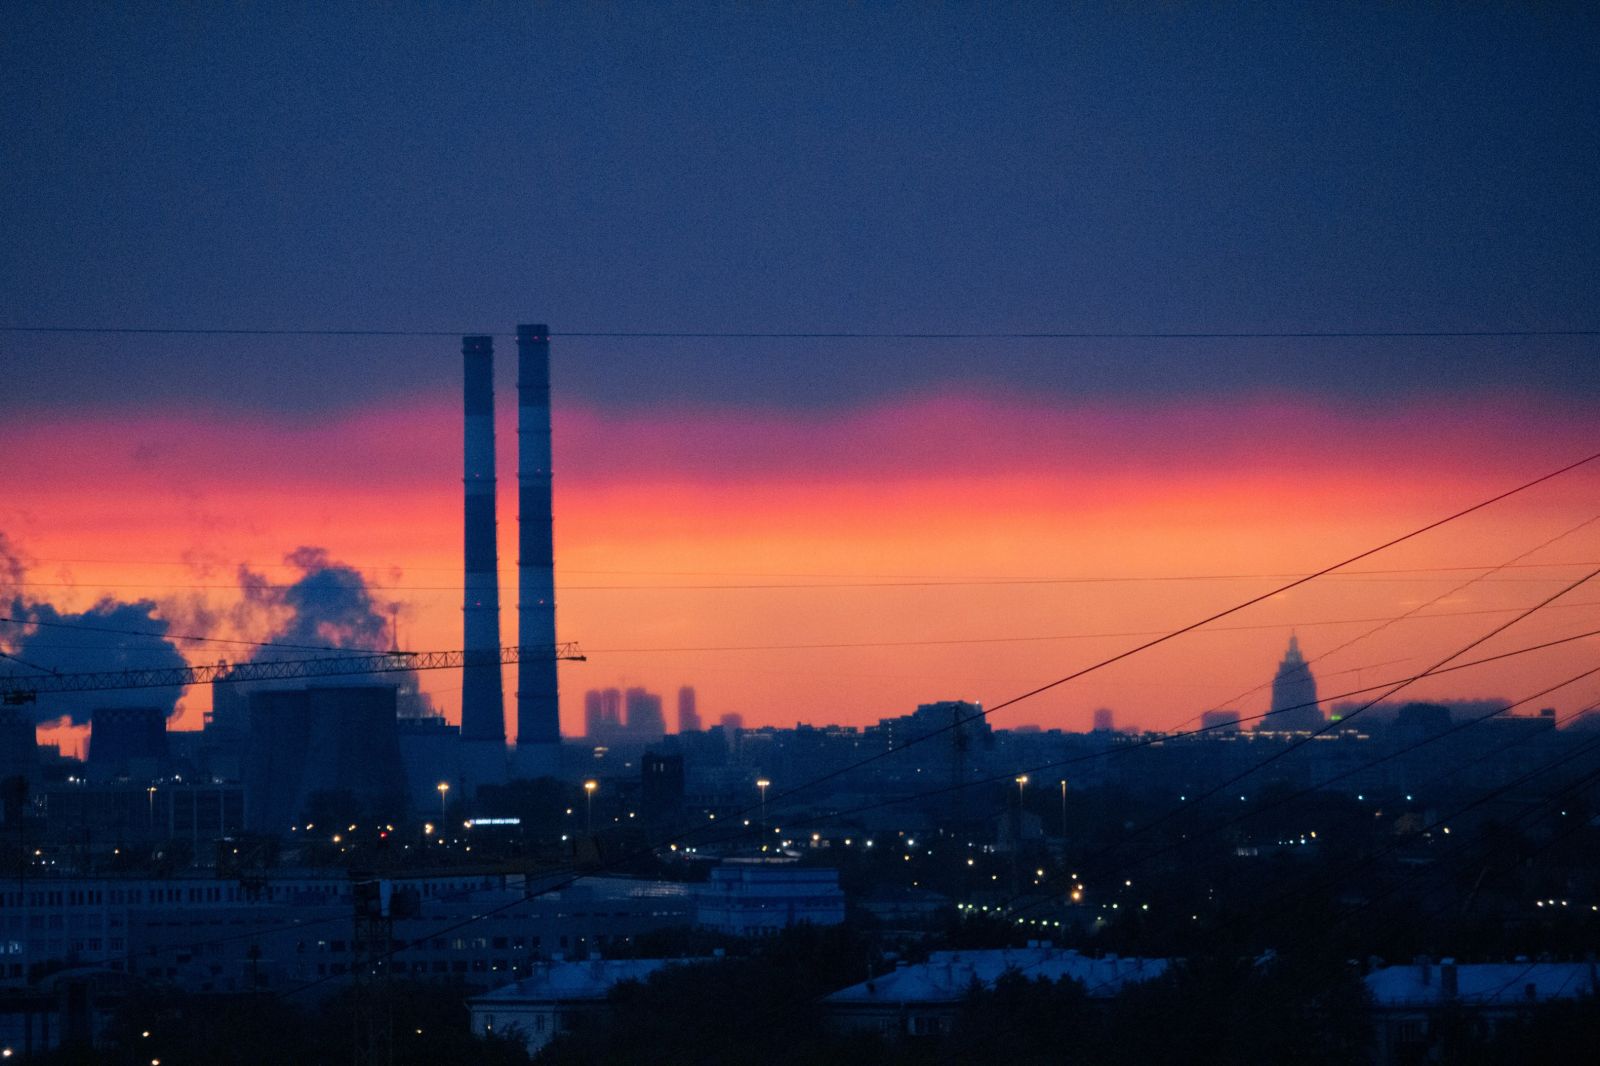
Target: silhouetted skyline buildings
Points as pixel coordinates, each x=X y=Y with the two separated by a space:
x=635 y=714
x=688 y=714
x=1294 y=694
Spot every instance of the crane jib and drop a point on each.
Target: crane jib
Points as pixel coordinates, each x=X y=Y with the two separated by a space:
x=16 y=690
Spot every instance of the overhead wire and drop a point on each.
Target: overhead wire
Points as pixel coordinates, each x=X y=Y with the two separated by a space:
x=1081 y=579
x=736 y=834
x=1319 y=928
x=1228 y=783
x=933 y=583
x=1516 y=560
x=1207 y=620
x=658 y=334
x=1120 y=656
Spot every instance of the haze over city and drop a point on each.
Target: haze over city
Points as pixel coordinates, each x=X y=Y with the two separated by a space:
x=904 y=362
x=832 y=172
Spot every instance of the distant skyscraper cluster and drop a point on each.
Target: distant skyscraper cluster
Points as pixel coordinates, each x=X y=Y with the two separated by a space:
x=1103 y=722
x=635 y=715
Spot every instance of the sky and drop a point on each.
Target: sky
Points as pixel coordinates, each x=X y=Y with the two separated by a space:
x=819 y=529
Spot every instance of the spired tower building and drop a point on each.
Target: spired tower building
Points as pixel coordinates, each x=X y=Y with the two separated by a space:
x=1294 y=695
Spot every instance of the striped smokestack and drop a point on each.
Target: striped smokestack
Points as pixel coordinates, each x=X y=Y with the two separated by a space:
x=482 y=705
x=538 y=718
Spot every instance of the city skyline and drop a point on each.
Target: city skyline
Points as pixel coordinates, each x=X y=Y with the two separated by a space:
x=856 y=533
x=970 y=516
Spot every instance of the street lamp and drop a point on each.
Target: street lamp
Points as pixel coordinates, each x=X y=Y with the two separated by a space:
x=763 y=784
x=1022 y=780
x=444 y=792
x=589 y=788
x=152 y=791
x=1063 y=808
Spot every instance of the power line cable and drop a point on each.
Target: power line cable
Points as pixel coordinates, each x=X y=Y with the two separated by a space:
x=1515 y=560
x=617 y=334
x=1191 y=627
x=736 y=834
x=823 y=646
x=1157 y=739
x=1133 y=864
x=1173 y=634
x=1301 y=742
x=1230 y=782
x=369 y=586
x=975 y=579
x=1133 y=651
x=122 y=631
x=1321 y=926
x=31 y=666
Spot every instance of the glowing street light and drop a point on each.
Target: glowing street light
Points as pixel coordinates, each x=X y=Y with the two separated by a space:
x=589 y=788
x=763 y=784
x=444 y=793
x=152 y=792
x=1063 y=808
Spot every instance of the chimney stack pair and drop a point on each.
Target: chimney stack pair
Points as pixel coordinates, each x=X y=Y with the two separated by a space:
x=482 y=701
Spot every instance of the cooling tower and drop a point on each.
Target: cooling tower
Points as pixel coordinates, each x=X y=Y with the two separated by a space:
x=19 y=747
x=483 y=723
x=538 y=719
x=333 y=746
x=127 y=742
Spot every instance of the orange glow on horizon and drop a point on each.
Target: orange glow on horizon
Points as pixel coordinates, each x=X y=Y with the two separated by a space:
x=953 y=548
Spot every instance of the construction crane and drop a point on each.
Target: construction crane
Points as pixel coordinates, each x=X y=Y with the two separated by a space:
x=16 y=690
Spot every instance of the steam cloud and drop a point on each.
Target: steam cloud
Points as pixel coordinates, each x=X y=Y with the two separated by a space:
x=328 y=606
x=111 y=635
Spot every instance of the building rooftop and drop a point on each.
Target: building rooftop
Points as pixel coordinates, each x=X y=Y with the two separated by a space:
x=568 y=982
x=947 y=976
x=1481 y=984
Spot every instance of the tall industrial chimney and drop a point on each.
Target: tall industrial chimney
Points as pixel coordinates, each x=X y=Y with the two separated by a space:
x=482 y=705
x=538 y=715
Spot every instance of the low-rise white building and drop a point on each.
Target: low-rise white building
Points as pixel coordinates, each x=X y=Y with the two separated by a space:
x=923 y=999
x=1407 y=1001
x=554 y=995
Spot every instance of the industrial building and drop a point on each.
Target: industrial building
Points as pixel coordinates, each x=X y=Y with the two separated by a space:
x=318 y=743
x=127 y=742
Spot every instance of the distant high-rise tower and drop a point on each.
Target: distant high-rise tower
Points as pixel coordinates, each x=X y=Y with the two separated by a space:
x=645 y=724
x=538 y=706
x=688 y=715
x=1103 y=722
x=482 y=704
x=611 y=710
x=1294 y=695
x=602 y=715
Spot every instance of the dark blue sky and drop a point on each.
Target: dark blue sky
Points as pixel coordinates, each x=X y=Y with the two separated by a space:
x=831 y=167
